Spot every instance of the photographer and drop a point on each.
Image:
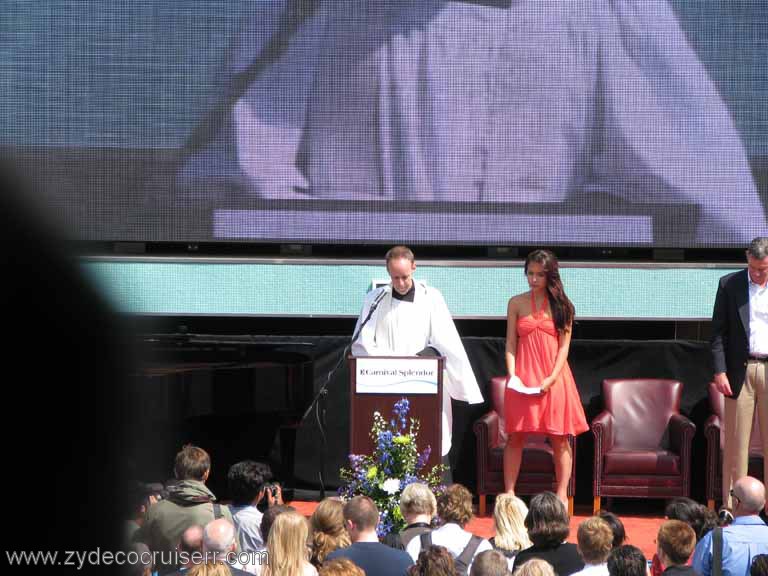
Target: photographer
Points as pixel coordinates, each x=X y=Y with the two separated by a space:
x=250 y=483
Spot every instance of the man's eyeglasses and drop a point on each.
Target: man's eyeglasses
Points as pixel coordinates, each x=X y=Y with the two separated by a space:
x=734 y=496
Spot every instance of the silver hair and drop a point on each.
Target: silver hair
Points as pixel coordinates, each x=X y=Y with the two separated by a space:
x=758 y=248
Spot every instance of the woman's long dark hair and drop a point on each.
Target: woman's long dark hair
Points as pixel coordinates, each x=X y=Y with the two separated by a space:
x=562 y=308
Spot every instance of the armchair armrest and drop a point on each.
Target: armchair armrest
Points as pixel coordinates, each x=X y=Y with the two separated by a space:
x=486 y=430
x=602 y=428
x=681 y=432
x=712 y=429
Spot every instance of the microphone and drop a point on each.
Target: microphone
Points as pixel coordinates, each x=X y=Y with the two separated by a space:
x=371 y=310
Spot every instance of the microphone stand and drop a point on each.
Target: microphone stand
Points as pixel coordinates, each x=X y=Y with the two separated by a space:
x=323 y=393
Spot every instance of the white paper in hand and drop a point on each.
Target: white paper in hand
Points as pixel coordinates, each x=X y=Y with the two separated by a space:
x=514 y=383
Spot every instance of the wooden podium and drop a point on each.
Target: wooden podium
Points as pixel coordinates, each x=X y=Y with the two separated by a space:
x=377 y=382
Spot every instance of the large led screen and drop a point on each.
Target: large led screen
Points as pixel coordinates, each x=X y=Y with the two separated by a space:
x=488 y=122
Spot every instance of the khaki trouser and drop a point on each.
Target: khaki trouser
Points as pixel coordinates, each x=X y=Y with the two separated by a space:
x=738 y=427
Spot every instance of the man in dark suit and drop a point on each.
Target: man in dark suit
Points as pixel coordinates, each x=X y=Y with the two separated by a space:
x=740 y=357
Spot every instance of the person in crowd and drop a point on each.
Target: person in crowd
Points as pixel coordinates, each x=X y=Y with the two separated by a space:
x=210 y=569
x=740 y=358
x=247 y=481
x=759 y=565
x=548 y=526
x=627 y=560
x=700 y=518
x=340 y=567
x=595 y=539
x=535 y=567
x=328 y=530
x=190 y=549
x=454 y=508
x=376 y=559
x=490 y=563
x=287 y=551
x=220 y=545
x=140 y=498
x=746 y=537
x=617 y=526
x=539 y=328
x=418 y=506
x=674 y=545
x=189 y=502
x=407 y=318
x=144 y=566
x=434 y=561
x=509 y=514
x=268 y=518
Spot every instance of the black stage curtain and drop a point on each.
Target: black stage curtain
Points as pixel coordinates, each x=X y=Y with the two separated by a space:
x=591 y=362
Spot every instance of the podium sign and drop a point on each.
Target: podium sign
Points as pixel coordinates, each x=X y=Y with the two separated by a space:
x=396 y=375
x=377 y=382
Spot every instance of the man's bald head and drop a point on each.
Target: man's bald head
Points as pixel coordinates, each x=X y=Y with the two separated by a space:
x=219 y=537
x=192 y=539
x=751 y=493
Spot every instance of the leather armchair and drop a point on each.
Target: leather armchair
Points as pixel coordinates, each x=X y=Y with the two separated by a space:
x=537 y=470
x=642 y=442
x=712 y=432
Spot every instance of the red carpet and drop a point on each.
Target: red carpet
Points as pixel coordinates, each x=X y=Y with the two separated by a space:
x=641 y=530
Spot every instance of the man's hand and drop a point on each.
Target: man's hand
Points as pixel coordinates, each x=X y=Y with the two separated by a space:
x=277 y=498
x=722 y=383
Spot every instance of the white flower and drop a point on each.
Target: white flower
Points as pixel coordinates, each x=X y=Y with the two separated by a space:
x=391 y=485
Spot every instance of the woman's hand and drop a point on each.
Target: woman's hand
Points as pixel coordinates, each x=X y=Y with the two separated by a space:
x=546 y=384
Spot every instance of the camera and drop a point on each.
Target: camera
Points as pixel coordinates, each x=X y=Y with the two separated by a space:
x=271 y=489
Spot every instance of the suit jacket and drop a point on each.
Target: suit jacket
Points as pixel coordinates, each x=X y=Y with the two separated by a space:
x=730 y=329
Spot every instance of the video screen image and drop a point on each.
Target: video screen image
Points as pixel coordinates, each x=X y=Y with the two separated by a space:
x=487 y=122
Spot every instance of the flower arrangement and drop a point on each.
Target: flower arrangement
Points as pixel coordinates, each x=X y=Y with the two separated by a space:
x=395 y=463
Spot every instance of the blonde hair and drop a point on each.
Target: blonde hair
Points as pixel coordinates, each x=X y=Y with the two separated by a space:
x=509 y=515
x=341 y=567
x=535 y=567
x=417 y=498
x=209 y=569
x=328 y=531
x=595 y=539
x=287 y=545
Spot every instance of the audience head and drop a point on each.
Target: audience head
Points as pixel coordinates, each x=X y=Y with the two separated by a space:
x=595 y=540
x=269 y=518
x=209 y=569
x=535 y=567
x=328 y=531
x=617 y=526
x=192 y=463
x=627 y=560
x=509 y=514
x=759 y=565
x=287 y=544
x=219 y=538
x=455 y=505
x=246 y=481
x=191 y=541
x=489 y=563
x=547 y=520
x=434 y=561
x=675 y=543
x=416 y=500
x=698 y=517
x=340 y=567
x=361 y=517
x=749 y=496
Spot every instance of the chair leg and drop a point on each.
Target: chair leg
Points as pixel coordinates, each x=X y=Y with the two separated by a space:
x=482 y=505
x=711 y=504
x=595 y=504
x=570 y=505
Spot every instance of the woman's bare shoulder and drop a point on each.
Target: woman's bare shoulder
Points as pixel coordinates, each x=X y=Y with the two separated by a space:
x=518 y=300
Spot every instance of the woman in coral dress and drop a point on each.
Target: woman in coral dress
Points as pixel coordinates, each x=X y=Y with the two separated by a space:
x=539 y=324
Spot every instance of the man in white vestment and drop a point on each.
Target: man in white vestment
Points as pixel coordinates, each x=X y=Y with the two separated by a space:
x=410 y=317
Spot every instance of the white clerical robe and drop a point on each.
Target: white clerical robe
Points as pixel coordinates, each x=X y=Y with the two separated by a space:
x=401 y=328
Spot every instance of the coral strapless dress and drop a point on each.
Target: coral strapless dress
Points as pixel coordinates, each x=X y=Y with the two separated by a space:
x=557 y=412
